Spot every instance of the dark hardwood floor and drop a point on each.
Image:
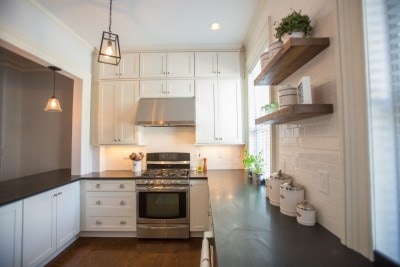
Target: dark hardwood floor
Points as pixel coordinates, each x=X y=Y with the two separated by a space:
x=100 y=251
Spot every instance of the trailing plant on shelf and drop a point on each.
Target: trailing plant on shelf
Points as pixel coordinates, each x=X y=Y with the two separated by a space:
x=294 y=22
x=269 y=108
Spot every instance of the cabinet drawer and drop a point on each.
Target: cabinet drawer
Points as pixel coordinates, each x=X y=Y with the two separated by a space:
x=111 y=223
x=110 y=201
x=114 y=186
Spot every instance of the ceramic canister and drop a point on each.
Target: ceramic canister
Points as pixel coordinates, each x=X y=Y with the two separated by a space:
x=275 y=181
x=305 y=214
x=291 y=195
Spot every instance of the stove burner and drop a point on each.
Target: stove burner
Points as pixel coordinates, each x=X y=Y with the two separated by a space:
x=166 y=173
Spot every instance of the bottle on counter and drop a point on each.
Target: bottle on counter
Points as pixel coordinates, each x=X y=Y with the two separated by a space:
x=205 y=164
x=200 y=164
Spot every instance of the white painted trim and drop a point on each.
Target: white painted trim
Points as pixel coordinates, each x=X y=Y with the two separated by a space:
x=353 y=96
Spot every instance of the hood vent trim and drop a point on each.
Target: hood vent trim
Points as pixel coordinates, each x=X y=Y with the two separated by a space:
x=166 y=112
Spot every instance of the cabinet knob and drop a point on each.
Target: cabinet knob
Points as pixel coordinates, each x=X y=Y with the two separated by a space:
x=220 y=138
x=122 y=203
x=119 y=140
x=55 y=195
x=282 y=196
x=116 y=74
x=122 y=222
x=98 y=185
x=98 y=222
x=99 y=202
x=122 y=186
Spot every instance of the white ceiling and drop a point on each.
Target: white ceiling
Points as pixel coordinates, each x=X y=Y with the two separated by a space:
x=158 y=23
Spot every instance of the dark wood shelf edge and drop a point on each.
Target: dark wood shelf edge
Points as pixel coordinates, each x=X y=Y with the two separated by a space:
x=295 y=113
x=293 y=55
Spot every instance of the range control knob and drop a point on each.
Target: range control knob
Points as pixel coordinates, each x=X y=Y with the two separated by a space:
x=162 y=182
x=146 y=182
x=151 y=182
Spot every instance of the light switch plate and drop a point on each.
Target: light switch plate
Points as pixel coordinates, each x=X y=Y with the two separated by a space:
x=323 y=182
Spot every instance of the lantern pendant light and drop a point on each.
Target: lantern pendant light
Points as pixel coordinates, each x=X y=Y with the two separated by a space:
x=109 y=48
x=53 y=105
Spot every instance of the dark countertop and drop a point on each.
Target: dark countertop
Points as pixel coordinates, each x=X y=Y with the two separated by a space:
x=248 y=230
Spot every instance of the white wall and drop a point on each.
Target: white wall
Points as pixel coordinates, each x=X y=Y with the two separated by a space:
x=27 y=29
x=172 y=139
x=34 y=141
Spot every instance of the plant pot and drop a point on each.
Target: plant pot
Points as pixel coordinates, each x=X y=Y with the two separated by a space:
x=258 y=178
x=287 y=36
x=249 y=173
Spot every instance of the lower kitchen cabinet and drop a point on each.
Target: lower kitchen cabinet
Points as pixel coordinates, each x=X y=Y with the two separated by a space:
x=11 y=234
x=109 y=206
x=199 y=206
x=50 y=220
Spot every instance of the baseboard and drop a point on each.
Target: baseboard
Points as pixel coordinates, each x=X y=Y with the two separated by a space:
x=383 y=261
x=58 y=251
x=107 y=234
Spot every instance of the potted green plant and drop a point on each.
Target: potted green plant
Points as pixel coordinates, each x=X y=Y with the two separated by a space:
x=248 y=162
x=258 y=168
x=294 y=22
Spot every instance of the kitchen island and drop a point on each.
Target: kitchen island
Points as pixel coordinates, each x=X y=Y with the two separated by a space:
x=248 y=230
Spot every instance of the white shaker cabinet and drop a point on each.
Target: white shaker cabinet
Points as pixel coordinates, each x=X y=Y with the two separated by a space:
x=117 y=107
x=51 y=219
x=171 y=64
x=218 y=112
x=11 y=234
x=199 y=206
x=166 y=88
x=128 y=68
x=217 y=64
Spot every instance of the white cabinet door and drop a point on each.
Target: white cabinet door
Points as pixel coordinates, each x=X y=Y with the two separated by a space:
x=217 y=64
x=127 y=68
x=228 y=64
x=180 y=88
x=229 y=112
x=68 y=212
x=199 y=202
x=153 y=65
x=128 y=97
x=218 y=112
x=153 y=88
x=206 y=111
x=180 y=64
x=39 y=228
x=11 y=234
x=206 y=64
x=107 y=113
x=117 y=111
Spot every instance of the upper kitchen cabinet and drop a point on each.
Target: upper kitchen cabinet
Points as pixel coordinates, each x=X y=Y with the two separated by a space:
x=128 y=68
x=217 y=64
x=117 y=107
x=218 y=112
x=171 y=64
x=166 y=88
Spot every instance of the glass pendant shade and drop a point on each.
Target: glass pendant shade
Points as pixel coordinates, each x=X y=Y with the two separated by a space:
x=53 y=105
x=109 y=49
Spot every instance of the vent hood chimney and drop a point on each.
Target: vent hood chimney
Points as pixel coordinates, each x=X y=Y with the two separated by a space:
x=161 y=112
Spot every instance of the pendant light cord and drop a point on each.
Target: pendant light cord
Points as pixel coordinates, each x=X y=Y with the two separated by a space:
x=54 y=84
x=109 y=27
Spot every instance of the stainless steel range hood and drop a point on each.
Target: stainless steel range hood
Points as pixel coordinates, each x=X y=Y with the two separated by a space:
x=166 y=112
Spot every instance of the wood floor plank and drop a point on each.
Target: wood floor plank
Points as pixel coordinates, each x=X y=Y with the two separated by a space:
x=130 y=252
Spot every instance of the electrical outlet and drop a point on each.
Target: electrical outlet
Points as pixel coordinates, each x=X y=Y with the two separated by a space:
x=323 y=182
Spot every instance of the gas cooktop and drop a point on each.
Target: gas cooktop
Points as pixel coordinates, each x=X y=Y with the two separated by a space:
x=165 y=174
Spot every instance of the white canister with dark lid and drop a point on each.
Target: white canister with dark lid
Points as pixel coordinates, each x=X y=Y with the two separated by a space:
x=275 y=181
x=305 y=214
x=291 y=195
x=266 y=187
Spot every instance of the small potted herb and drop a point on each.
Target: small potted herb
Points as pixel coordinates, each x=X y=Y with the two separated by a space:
x=293 y=23
x=258 y=168
x=248 y=162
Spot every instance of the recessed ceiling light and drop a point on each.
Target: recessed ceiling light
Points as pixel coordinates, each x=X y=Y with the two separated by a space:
x=215 y=26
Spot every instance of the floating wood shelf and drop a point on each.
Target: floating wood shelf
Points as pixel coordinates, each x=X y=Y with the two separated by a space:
x=294 y=54
x=296 y=112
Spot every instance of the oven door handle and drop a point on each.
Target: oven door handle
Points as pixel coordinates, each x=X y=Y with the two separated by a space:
x=162 y=189
x=161 y=227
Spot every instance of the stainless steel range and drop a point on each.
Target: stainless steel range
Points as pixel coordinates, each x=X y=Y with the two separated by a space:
x=163 y=196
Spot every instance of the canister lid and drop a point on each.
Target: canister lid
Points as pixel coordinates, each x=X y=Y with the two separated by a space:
x=280 y=175
x=290 y=186
x=305 y=206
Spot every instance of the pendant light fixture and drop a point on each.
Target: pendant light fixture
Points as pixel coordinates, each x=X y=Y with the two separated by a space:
x=53 y=105
x=109 y=48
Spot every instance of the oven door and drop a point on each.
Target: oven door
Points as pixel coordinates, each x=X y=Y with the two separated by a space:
x=162 y=204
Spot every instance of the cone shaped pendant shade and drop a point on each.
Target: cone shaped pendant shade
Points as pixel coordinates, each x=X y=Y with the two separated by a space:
x=53 y=105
